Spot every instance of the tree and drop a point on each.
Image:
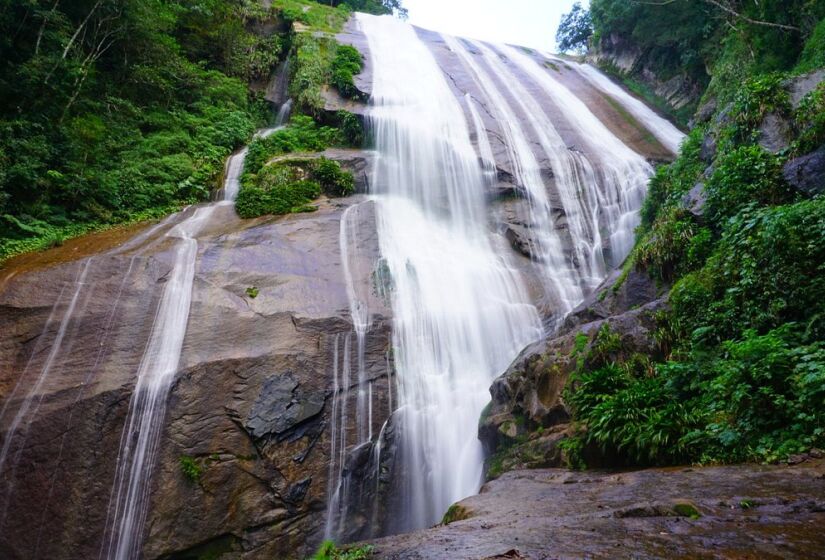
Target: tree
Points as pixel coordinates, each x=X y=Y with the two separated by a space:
x=574 y=30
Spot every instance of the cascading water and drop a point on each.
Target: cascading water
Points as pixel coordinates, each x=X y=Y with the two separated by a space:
x=141 y=435
x=19 y=427
x=140 y=440
x=664 y=131
x=558 y=274
x=620 y=180
x=460 y=312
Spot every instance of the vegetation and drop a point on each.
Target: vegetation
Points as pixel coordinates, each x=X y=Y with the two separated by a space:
x=346 y=64
x=112 y=112
x=740 y=370
x=190 y=468
x=119 y=111
x=329 y=551
x=575 y=30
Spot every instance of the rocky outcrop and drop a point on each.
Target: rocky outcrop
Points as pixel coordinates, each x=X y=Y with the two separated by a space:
x=251 y=405
x=715 y=512
x=621 y=55
x=527 y=418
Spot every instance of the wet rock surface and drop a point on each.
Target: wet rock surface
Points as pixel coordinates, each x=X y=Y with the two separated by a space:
x=527 y=417
x=251 y=404
x=746 y=511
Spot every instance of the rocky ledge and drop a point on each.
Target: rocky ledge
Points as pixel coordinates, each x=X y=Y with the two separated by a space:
x=714 y=512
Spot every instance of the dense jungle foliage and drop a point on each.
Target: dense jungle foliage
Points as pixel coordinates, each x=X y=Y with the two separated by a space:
x=741 y=370
x=114 y=111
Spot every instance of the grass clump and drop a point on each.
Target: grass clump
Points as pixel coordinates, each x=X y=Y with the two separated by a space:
x=328 y=551
x=190 y=468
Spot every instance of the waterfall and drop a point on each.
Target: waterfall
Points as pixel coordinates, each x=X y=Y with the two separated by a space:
x=140 y=440
x=616 y=192
x=664 y=131
x=32 y=400
x=147 y=409
x=460 y=311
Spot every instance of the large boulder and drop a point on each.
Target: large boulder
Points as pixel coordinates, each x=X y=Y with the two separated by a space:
x=807 y=173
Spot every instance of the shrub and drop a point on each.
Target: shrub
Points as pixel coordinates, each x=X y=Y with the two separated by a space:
x=281 y=198
x=346 y=64
x=675 y=245
x=746 y=175
x=333 y=180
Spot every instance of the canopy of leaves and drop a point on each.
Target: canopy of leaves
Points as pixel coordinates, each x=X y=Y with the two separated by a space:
x=112 y=110
x=575 y=30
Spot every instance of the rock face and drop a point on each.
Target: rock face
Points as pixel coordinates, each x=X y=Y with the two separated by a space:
x=614 y=50
x=717 y=512
x=251 y=405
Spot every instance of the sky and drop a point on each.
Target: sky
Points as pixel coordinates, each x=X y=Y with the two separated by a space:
x=531 y=23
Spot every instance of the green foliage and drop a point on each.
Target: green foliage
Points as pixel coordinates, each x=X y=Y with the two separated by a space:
x=346 y=64
x=190 y=468
x=334 y=180
x=747 y=175
x=767 y=270
x=675 y=244
x=328 y=551
x=252 y=292
x=317 y=16
x=311 y=67
x=124 y=123
x=813 y=54
x=809 y=121
x=280 y=197
x=575 y=29
x=352 y=131
x=302 y=135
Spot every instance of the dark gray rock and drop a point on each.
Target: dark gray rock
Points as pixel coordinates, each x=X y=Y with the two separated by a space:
x=807 y=173
x=774 y=133
x=281 y=406
x=801 y=86
x=556 y=513
x=708 y=149
x=705 y=112
x=694 y=200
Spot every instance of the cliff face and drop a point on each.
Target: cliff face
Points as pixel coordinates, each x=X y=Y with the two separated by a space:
x=251 y=405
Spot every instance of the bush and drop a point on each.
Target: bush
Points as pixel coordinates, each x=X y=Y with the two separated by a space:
x=674 y=245
x=285 y=198
x=346 y=64
x=334 y=180
x=745 y=176
x=302 y=135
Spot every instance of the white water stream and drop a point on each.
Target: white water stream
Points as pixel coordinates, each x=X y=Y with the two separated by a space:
x=460 y=312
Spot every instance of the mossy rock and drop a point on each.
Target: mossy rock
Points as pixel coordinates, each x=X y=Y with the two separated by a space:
x=456 y=512
x=686 y=509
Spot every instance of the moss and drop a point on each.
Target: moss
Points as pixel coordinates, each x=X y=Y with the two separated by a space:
x=686 y=509
x=455 y=512
x=252 y=292
x=813 y=54
x=329 y=551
